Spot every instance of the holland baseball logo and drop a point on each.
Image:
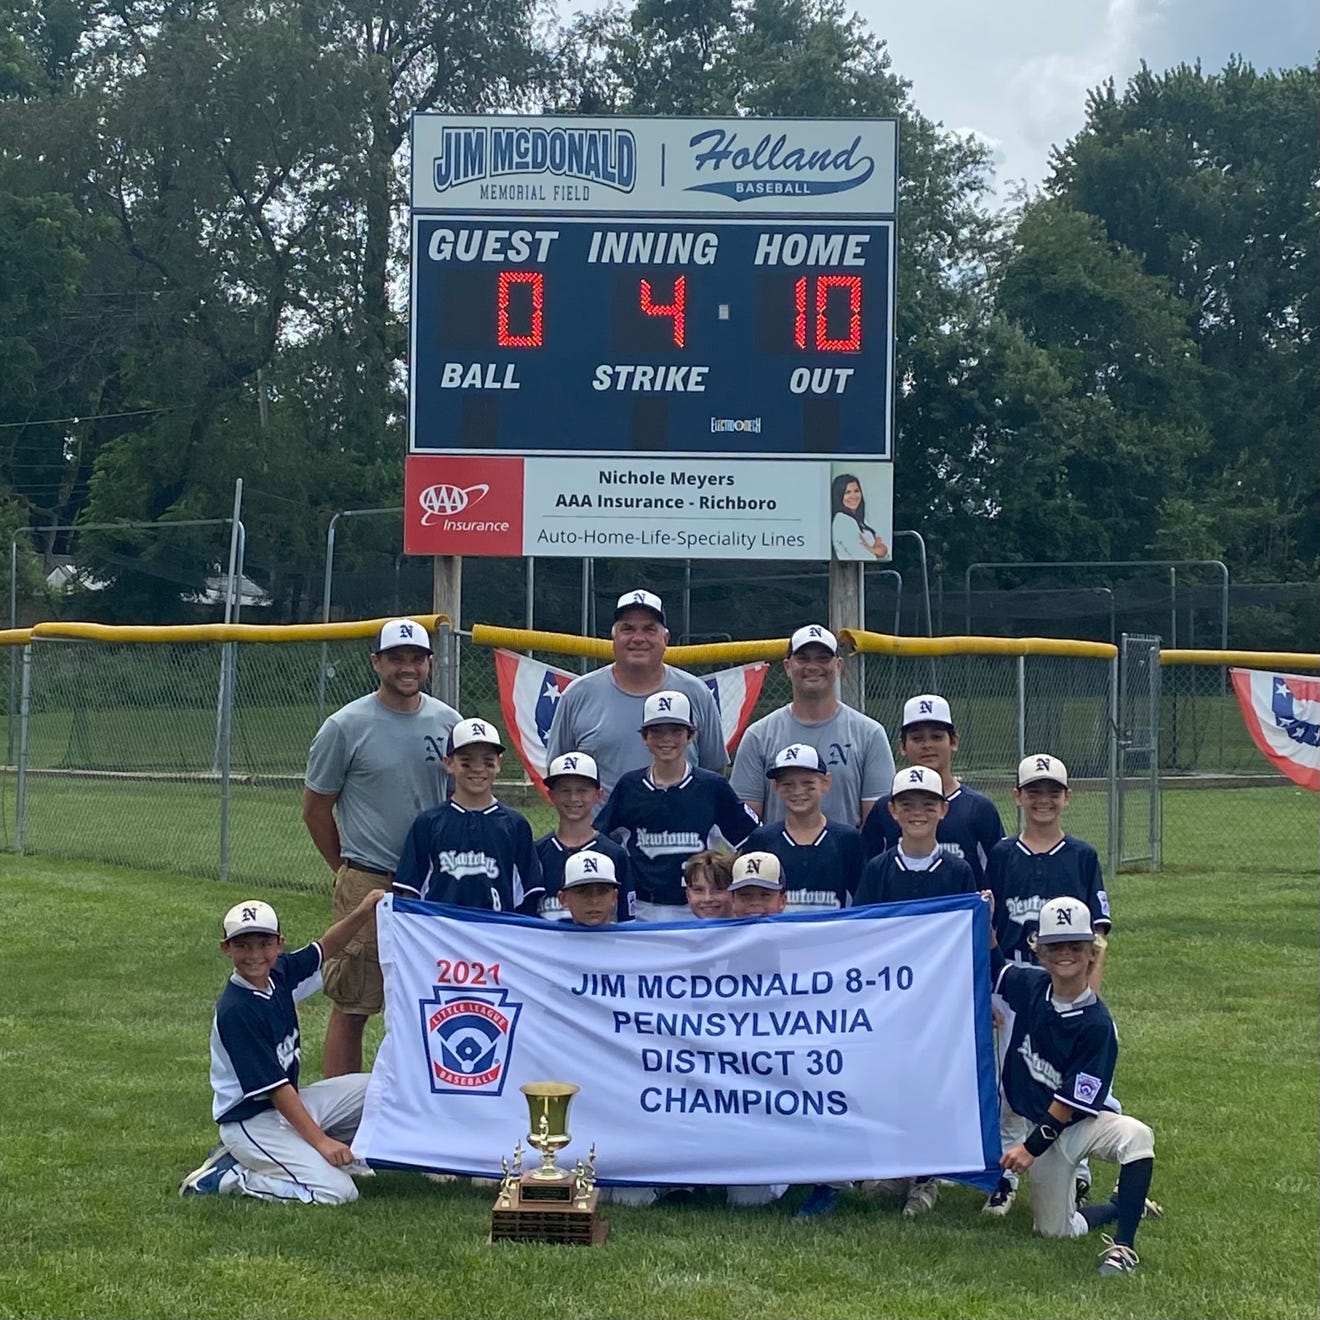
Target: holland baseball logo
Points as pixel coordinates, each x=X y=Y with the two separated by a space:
x=469 y=1040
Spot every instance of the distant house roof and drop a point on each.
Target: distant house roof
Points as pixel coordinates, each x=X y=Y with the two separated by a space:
x=66 y=576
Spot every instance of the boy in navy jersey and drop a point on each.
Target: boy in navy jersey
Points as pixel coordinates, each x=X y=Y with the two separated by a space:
x=279 y=1141
x=573 y=782
x=916 y=866
x=1024 y=873
x=590 y=892
x=472 y=851
x=822 y=858
x=971 y=827
x=667 y=812
x=1058 y=1073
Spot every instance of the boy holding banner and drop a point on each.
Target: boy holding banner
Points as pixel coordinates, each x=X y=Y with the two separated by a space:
x=1058 y=1072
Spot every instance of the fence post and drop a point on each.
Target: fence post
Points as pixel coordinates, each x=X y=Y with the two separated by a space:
x=1021 y=720
x=1114 y=822
x=227 y=659
x=25 y=708
x=446 y=671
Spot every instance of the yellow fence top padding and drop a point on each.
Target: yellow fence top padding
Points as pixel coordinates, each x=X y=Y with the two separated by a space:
x=870 y=643
x=221 y=632
x=1244 y=659
x=600 y=648
x=15 y=636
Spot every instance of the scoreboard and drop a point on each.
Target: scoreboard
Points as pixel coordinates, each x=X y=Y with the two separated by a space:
x=563 y=334
x=672 y=337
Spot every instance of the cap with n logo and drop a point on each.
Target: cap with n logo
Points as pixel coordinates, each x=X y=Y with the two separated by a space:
x=798 y=756
x=589 y=868
x=926 y=709
x=572 y=763
x=757 y=870
x=667 y=708
x=640 y=600
x=251 y=917
x=1033 y=769
x=402 y=632
x=470 y=733
x=813 y=634
x=1064 y=919
x=917 y=779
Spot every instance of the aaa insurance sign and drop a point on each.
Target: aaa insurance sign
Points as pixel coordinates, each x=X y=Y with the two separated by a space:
x=577 y=507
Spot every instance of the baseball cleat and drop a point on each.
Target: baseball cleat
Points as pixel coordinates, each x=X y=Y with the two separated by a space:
x=821 y=1200
x=1118 y=1258
x=1081 y=1191
x=1151 y=1210
x=1000 y=1201
x=208 y=1179
x=921 y=1197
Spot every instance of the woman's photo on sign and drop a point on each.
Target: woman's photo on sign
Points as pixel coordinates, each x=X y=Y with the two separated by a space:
x=861 y=528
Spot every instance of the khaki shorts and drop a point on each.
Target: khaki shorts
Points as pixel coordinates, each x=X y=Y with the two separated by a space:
x=353 y=981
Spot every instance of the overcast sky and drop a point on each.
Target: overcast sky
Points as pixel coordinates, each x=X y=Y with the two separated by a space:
x=1017 y=72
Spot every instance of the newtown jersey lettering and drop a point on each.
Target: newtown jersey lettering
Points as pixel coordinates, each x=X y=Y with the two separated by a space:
x=662 y=827
x=474 y=859
x=553 y=854
x=889 y=879
x=1064 y=1052
x=1024 y=881
x=255 y=1046
x=970 y=830
x=820 y=876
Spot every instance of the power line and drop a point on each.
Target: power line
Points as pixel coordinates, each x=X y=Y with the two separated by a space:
x=98 y=417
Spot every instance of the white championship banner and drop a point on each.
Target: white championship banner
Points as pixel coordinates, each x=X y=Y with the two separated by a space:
x=813 y=1048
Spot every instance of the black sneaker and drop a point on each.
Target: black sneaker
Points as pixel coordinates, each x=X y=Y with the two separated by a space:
x=1081 y=1192
x=1001 y=1199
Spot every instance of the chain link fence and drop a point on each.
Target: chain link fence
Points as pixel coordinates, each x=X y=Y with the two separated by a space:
x=135 y=756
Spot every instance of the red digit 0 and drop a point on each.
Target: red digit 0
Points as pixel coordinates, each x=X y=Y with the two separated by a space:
x=536 y=280
x=853 y=341
x=675 y=310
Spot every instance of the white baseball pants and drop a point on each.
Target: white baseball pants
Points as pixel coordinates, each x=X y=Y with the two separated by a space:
x=276 y=1164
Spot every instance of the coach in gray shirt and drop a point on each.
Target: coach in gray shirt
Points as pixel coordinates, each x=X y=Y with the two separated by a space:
x=601 y=712
x=855 y=747
x=374 y=766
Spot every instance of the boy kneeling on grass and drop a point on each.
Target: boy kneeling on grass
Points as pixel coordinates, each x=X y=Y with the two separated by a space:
x=1057 y=1074
x=278 y=1142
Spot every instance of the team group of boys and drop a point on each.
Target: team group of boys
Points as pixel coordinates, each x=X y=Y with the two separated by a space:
x=658 y=847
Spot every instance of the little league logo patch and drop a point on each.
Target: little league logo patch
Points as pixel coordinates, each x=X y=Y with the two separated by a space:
x=469 y=1037
x=1086 y=1088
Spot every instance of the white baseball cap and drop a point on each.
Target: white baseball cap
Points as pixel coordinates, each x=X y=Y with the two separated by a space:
x=917 y=779
x=926 y=709
x=1032 y=769
x=757 y=870
x=467 y=733
x=667 y=708
x=572 y=763
x=589 y=868
x=798 y=756
x=640 y=600
x=813 y=634
x=402 y=632
x=251 y=917
x=1063 y=919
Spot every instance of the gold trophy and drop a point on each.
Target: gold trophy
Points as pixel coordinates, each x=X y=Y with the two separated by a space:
x=548 y=1204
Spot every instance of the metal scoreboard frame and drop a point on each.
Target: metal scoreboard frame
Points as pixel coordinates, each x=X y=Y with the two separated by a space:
x=670 y=297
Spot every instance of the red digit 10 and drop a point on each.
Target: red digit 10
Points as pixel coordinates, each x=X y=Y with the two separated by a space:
x=675 y=310
x=536 y=280
x=851 y=342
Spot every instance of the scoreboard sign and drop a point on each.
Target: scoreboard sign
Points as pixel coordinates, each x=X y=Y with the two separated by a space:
x=660 y=289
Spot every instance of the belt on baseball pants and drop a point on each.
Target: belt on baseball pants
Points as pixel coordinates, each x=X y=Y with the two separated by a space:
x=368 y=870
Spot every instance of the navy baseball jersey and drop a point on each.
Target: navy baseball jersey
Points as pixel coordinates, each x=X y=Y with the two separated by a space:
x=889 y=879
x=1057 y=1051
x=1023 y=882
x=255 y=1046
x=553 y=854
x=970 y=830
x=820 y=875
x=475 y=859
x=662 y=827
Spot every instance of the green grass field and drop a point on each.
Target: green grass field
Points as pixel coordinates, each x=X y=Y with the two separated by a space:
x=112 y=974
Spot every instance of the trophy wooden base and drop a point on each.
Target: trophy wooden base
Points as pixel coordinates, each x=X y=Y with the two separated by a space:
x=531 y=1212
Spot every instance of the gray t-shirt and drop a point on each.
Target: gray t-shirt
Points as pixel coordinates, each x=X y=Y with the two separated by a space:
x=387 y=767
x=594 y=715
x=855 y=747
